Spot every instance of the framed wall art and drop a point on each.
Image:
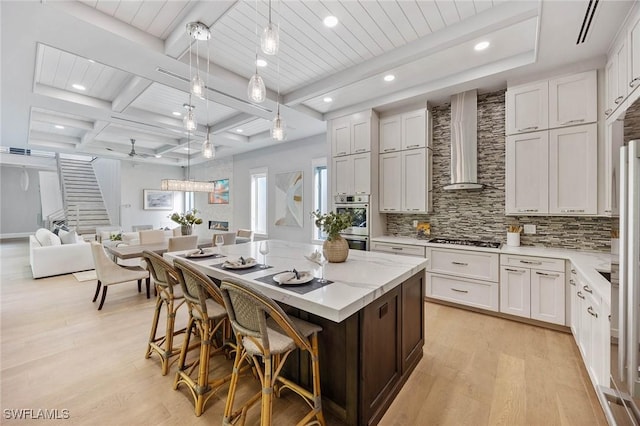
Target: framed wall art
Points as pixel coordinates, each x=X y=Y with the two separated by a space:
x=288 y=199
x=155 y=199
x=220 y=194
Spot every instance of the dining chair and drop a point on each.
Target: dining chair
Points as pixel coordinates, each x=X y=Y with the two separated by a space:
x=244 y=236
x=109 y=273
x=153 y=236
x=208 y=318
x=177 y=231
x=141 y=227
x=169 y=294
x=264 y=332
x=228 y=237
x=186 y=242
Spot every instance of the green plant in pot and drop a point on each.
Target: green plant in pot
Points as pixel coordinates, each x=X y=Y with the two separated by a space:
x=186 y=220
x=335 y=248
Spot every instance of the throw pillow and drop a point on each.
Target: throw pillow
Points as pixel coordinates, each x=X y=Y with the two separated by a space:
x=69 y=237
x=47 y=238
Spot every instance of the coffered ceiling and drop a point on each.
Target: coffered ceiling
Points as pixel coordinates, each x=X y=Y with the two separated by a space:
x=132 y=59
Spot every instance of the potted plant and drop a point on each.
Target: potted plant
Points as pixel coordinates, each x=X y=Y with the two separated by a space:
x=186 y=220
x=335 y=248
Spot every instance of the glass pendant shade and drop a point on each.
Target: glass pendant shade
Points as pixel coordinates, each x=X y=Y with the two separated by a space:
x=208 y=151
x=256 y=91
x=190 y=121
x=197 y=86
x=270 y=40
x=278 y=130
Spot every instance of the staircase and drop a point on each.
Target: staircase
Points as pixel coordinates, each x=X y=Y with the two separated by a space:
x=81 y=196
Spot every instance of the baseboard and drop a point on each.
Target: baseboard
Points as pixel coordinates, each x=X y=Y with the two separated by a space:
x=15 y=235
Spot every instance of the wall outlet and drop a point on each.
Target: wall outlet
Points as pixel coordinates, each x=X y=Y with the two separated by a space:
x=415 y=223
x=529 y=229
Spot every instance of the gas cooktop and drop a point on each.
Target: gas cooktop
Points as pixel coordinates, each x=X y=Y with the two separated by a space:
x=472 y=243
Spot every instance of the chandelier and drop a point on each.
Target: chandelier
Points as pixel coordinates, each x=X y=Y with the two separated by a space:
x=186 y=185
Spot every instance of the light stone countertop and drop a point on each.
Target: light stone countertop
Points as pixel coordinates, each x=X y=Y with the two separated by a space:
x=586 y=263
x=360 y=280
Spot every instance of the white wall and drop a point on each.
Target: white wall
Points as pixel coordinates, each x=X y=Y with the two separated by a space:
x=135 y=177
x=20 y=211
x=50 y=193
x=209 y=171
x=286 y=157
x=107 y=173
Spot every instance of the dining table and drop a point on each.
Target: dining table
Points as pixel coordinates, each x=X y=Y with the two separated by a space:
x=371 y=310
x=133 y=251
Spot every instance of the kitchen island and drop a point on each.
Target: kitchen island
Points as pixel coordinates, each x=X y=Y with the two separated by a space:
x=372 y=316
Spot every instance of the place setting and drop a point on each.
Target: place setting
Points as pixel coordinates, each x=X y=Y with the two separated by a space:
x=299 y=281
x=241 y=265
x=201 y=254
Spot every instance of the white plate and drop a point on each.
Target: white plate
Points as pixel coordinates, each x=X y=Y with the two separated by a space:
x=289 y=278
x=196 y=254
x=249 y=264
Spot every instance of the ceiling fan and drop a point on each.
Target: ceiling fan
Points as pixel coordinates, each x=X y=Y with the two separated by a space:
x=133 y=152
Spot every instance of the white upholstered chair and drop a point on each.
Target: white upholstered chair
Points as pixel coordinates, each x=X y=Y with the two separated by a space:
x=110 y=273
x=185 y=242
x=154 y=236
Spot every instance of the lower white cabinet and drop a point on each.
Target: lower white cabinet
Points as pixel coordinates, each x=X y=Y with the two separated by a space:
x=403 y=249
x=591 y=329
x=531 y=292
x=465 y=277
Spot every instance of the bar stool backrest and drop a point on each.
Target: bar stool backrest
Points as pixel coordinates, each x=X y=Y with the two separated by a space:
x=163 y=273
x=197 y=286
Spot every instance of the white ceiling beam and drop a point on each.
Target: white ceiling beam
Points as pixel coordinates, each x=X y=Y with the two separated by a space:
x=88 y=137
x=52 y=118
x=54 y=92
x=499 y=17
x=53 y=137
x=135 y=87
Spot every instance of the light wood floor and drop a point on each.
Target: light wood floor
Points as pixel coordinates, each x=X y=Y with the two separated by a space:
x=59 y=352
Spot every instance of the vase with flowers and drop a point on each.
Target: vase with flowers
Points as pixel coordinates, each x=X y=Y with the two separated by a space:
x=186 y=220
x=335 y=248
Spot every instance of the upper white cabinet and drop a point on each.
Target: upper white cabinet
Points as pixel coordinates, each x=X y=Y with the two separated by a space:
x=352 y=174
x=573 y=170
x=616 y=78
x=405 y=163
x=564 y=101
x=633 y=74
x=527 y=107
x=573 y=100
x=527 y=176
x=352 y=134
x=404 y=131
x=608 y=163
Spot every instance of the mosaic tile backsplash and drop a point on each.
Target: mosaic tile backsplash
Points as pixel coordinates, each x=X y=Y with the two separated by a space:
x=480 y=215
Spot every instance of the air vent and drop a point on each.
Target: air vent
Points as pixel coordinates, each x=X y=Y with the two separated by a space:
x=586 y=22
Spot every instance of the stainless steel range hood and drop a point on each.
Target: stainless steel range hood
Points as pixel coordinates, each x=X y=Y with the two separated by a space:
x=464 y=142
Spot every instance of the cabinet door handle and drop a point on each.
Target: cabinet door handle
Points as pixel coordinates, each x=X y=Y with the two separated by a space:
x=520 y=271
x=608 y=111
x=587 y=289
x=415 y=210
x=579 y=294
x=360 y=150
x=590 y=310
x=527 y=210
x=632 y=82
x=572 y=210
x=527 y=128
x=413 y=146
x=531 y=262
x=383 y=310
x=342 y=153
x=547 y=274
x=459 y=291
x=460 y=263
x=607 y=211
x=389 y=149
x=396 y=248
x=618 y=100
x=572 y=282
x=573 y=271
x=572 y=122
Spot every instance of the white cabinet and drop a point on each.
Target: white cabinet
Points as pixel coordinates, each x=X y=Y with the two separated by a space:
x=341 y=136
x=390 y=169
x=616 y=78
x=351 y=134
x=352 y=174
x=360 y=133
x=404 y=181
x=527 y=176
x=530 y=291
x=394 y=248
x=527 y=108
x=404 y=131
x=465 y=277
x=573 y=99
x=573 y=170
x=609 y=179
x=633 y=74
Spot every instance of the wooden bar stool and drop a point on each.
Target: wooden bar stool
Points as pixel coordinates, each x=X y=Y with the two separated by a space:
x=169 y=294
x=264 y=332
x=208 y=317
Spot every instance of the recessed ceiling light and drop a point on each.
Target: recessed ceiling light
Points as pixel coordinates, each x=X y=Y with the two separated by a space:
x=176 y=113
x=239 y=130
x=91 y=60
x=158 y=156
x=330 y=21
x=482 y=45
x=78 y=87
x=328 y=99
x=57 y=126
x=261 y=63
x=389 y=77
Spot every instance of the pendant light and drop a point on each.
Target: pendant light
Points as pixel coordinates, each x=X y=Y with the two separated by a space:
x=208 y=150
x=278 y=127
x=270 y=40
x=256 y=91
x=189 y=119
x=197 y=32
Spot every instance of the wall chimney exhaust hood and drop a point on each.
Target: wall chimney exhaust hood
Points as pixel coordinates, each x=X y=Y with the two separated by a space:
x=464 y=142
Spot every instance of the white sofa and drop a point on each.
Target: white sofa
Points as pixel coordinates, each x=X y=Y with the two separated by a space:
x=48 y=256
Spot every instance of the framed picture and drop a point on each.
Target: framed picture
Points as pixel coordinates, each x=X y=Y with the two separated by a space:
x=220 y=194
x=288 y=199
x=157 y=200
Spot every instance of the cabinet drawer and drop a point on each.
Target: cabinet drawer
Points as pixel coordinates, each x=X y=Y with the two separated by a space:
x=545 y=263
x=467 y=292
x=464 y=263
x=403 y=249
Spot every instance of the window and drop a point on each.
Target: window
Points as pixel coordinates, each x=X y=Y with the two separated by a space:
x=319 y=172
x=189 y=201
x=259 y=201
